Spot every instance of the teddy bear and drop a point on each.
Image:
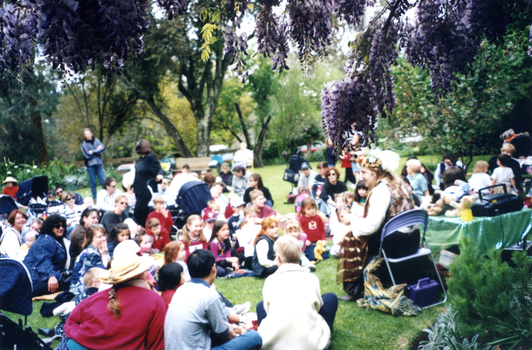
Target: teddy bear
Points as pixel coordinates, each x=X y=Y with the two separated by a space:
x=435 y=207
x=319 y=250
x=466 y=203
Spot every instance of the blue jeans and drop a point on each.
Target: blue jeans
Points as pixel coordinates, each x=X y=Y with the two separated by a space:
x=95 y=170
x=251 y=340
x=327 y=311
x=309 y=252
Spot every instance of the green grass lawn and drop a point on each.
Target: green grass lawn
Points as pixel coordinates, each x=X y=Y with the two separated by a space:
x=354 y=328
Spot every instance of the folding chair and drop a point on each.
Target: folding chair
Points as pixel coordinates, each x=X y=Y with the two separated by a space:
x=406 y=219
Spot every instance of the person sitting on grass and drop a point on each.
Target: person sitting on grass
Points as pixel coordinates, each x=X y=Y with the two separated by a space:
x=237 y=218
x=312 y=224
x=117 y=215
x=264 y=262
x=106 y=197
x=160 y=237
x=118 y=234
x=170 y=278
x=197 y=316
x=418 y=182
x=258 y=202
x=162 y=214
x=220 y=246
x=293 y=301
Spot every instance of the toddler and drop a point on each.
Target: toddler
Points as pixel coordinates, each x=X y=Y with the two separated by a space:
x=170 y=278
x=312 y=224
x=304 y=192
x=341 y=229
x=417 y=181
x=246 y=235
x=340 y=199
x=361 y=193
x=220 y=246
x=118 y=234
x=264 y=262
x=35 y=227
x=213 y=204
x=209 y=217
x=145 y=243
x=480 y=179
x=160 y=238
x=237 y=218
x=292 y=228
x=350 y=198
x=175 y=252
x=503 y=174
x=88 y=202
x=193 y=236
x=30 y=239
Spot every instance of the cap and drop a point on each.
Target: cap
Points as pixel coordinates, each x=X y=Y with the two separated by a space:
x=305 y=166
x=208 y=215
x=236 y=202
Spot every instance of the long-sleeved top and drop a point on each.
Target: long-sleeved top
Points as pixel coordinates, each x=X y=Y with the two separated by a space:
x=94 y=158
x=307 y=180
x=265 y=191
x=314 y=228
x=147 y=167
x=110 y=219
x=93 y=325
x=318 y=181
x=11 y=242
x=89 y=258
x=240 y=184
x=105 y=200
x=329 y=190
x=189 y=249
x=330 y=156
x=165 y=222
x=218 y=249
x=76 y=243
x=264 y=255
x=47 y=257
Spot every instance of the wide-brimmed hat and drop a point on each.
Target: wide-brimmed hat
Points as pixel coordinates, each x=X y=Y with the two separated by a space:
x=125 y=267
x=10 y=179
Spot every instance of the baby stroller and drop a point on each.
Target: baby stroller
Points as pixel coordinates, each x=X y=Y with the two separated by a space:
x=7 y=205
x=15 y=296
x=191 y=198
x=33 y=193
x=291 y=174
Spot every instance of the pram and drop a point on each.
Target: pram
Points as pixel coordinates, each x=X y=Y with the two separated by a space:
x=291 y=174
x=7 y=205
x=15 y=296
x=34 y=188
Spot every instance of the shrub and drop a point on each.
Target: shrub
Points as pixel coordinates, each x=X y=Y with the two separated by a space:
x=484 y=289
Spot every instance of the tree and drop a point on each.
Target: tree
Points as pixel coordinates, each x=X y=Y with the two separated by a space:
x=467 y=120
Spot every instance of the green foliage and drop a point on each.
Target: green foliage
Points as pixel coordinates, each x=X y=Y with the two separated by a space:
x=444 y=335
x=470 y=118
x=484 y=289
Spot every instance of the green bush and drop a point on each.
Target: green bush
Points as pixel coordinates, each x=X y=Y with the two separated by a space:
x=485 y=291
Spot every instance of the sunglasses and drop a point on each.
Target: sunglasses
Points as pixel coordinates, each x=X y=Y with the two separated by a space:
x=58 y=226
x=113 y=186
x=332 y=174
x=58 y=193
x=70 y=198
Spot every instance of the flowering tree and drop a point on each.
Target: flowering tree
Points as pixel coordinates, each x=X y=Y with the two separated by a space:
x=443 y=38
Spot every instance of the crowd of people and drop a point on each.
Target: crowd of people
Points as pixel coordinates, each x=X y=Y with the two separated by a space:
x=102 y=252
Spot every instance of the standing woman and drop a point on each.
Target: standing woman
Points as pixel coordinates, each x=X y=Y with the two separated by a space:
x=48 y=257
x=147 y=167
x=330 y=154
x=388 y=195
x=255 y=183
x=12 y=236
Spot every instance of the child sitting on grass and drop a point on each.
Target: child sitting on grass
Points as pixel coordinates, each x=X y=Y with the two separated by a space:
x=170 y=278
x=118 y=234
x=220 y=246
x=480 y=178
x=304 y=192
x=264 y=262
x=209 y=217
x=312 y=224
x=160 y=237
x=193 y=236
x=246 y=235
x=237 y=218
x=292 y=228
x=341 y=229
x=175 y=252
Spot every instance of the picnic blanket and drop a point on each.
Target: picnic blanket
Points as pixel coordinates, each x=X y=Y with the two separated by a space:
x=238 y=273
x=391 y=300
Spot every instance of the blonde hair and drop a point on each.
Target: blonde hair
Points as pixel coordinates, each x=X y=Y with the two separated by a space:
x=171 y=250
x=158 y=199
x=266 y=223
x=414 y=165
x=288 y=250
x=508 y=147
x=186 y=233
x=481 y=166
x=302 y=188
x=255 y=194
x=65 y=195
x=338 y=196
x=213 y=204
x=292 y=224
x=345 y=209
x=120 y=197
x=90 y=276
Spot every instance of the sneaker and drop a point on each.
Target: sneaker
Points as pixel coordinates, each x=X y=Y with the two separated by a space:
x=352 y=186
x=242 y=308
x=248 y=317
x=311 y=268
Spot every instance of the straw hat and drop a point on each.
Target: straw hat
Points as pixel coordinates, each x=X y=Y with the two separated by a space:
x=10 y=179
x=127 y=266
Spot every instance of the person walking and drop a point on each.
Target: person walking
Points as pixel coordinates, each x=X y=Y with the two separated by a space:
x=92 y=150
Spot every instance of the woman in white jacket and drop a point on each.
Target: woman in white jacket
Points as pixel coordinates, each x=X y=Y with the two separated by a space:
x=293 y=301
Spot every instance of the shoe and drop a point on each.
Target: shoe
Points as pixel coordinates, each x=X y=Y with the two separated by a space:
x=241 y=309
x=345 y=298
x=229 y=269
x=47 y=332
x=311 y=268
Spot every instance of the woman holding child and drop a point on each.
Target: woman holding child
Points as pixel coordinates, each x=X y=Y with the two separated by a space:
x=388 y=195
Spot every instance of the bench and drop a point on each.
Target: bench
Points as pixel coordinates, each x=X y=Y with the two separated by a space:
x=195 y=164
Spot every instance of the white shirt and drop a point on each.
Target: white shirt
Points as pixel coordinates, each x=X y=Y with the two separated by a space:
x=479 y=180
x=379 y=201
x=11 y=244
x=503 y=175
x=105 y=201
x=246 y=235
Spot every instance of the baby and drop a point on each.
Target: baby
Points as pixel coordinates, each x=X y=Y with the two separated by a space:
x=30 y=239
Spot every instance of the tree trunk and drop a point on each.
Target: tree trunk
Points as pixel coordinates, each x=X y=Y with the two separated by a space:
x=257 y=151
x=36 y=125
x=244 y=126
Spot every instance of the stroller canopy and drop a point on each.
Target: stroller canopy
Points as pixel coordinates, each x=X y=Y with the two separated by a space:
x=15 y=287
x=32 y=188
x=295 y=162
x=193 y=197
x=7 y=204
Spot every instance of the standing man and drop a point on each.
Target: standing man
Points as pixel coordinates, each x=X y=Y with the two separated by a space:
x=92 y=150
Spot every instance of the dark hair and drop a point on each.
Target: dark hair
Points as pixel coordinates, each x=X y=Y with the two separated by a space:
x=113 y=235
x=108 y=182
x=86 y=213
x=200 y=263
x=209 y=179
x=308 y=202
x=218 y=225
x=185 y=166
x=89 y=235
x=323 y=165
x=143 y=147
x=505 y=160
x=240 y=169
x=52 y=221
x=170 y=276
x=452 y=174
x=13 y=214
x=258 y=179
x=360 y=184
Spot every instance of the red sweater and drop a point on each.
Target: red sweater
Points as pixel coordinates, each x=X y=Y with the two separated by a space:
x=189 y=249
x=313 y=227
x=10 y=191
x=141 y=325
x=161 y=241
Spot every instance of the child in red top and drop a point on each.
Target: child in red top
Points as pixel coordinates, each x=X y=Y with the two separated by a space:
x=193 y=237
x=170 y=278
x=162 y=214
x=160 y=237
x=313 y=226
x=220 y=246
